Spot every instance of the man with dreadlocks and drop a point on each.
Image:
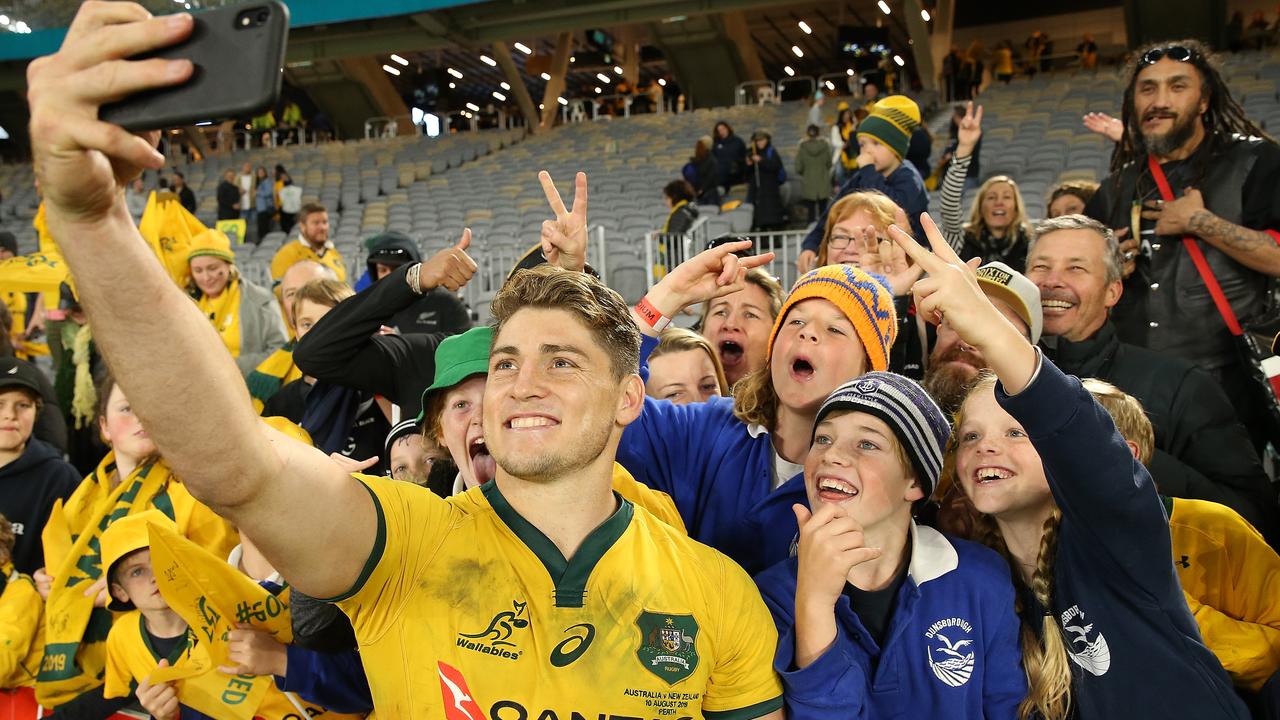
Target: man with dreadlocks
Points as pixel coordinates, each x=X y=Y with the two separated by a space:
x=1190 y=165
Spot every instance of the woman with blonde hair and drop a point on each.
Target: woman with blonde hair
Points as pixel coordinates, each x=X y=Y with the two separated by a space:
x=245 y=315
x=998 y=228
x=684 y=368
x=719 y=459
x=1105 y=626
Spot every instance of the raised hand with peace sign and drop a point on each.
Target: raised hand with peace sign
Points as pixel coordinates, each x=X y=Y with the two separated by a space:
x=710 y=274
x=969 y=131
x=951 y=289
x=564 y=240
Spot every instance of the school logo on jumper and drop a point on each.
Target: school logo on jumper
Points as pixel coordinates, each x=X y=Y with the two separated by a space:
x=1093 y=656
x=496 y=638
x=668 y=646
x=950 y=650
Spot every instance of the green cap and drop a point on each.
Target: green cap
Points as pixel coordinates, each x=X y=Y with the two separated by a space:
x=458 y=357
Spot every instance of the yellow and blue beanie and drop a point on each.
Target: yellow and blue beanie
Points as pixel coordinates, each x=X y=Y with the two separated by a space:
x=865 y=299
x=211 y=243
x=891 y=122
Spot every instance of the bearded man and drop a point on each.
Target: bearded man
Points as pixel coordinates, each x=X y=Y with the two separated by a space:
x=1182 y=127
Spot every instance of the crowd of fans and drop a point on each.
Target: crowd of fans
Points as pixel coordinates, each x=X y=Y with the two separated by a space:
x=560 y=514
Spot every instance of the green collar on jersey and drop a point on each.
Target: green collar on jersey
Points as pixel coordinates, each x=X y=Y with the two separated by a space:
x=569 y=576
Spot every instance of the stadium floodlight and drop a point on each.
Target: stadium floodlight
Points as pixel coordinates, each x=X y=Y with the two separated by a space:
x=399 y=59
x=898 y=59
x=662 y=82
x=562 y=101
x=804 y=26
x=4 y=134
x=573 y=58
x=849 y=72
x=830 y=86
x=798 y=52
x=505 y=86
x=453 y=86
x=488 y=61
x=598 y=91
x=523 y=48
x=545 y=76
x=390 y=70
x=617 y=69
x=924 y=15
x=789 y=71
x=499 y=96
x=603 y=78
x=884 y=7
x=473 y=106
x=455 y=73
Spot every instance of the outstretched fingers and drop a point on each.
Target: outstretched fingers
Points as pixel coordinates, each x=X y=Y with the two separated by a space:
x=580 y=196
x=553 y=195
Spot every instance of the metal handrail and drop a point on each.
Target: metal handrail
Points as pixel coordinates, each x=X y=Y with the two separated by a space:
x=740 y=95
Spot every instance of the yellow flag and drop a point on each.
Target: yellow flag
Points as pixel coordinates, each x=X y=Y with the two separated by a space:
x=212 y=596
x=37 y=272
x=56 y=538
x=168 y=229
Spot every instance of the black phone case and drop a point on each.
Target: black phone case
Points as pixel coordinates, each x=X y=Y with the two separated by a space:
x=237 y=72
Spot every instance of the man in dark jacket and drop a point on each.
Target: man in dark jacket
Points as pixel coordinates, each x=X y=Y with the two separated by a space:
x=1223 y=175
x=1202 y=451
x=437 y=310
x=32 y=474
x=228 y=197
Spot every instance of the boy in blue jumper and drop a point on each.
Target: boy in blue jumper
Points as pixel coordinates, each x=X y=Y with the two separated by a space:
x=883 y=138
x=879 y=617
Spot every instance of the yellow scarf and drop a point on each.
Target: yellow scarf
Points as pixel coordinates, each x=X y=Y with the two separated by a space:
x=274 y=373
x=76 y=631
x=224 y=312
x=674 y=209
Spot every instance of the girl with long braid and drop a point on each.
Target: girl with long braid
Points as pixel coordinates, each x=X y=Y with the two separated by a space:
x=1106 y=629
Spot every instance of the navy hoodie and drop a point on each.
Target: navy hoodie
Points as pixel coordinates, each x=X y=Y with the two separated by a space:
x=1134 y=646
x=28 y=488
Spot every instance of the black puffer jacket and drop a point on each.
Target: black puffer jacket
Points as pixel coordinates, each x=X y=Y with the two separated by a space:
x=1202 y=451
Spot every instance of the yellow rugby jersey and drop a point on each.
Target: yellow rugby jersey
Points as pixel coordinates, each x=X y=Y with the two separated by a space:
x=466 y=611
x=21 y=630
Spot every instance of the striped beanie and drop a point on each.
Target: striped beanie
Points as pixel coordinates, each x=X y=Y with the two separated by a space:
x=865 y=299
x=892 y=120
x=905 y=407
x=212 y=243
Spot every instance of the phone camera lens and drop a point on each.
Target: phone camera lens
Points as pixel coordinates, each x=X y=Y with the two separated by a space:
x=262 y=16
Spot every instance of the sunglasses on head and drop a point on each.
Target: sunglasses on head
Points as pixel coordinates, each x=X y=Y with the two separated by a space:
x=1177 y=53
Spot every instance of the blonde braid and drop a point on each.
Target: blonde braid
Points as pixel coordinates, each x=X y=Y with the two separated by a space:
x=84 y=397
x=1045 y=658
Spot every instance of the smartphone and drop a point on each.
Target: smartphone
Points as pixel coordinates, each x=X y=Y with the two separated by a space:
x=238 y=52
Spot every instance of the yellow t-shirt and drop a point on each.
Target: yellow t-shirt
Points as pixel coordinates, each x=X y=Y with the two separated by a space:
x=1231 y=579
x=464 y=601
x=21 y=631
x=298 y=250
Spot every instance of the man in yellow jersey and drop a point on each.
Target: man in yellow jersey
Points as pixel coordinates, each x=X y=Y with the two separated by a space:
x=539 y=595
x=312 y=244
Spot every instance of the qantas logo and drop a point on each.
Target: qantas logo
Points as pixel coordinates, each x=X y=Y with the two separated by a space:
x=458 y=702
